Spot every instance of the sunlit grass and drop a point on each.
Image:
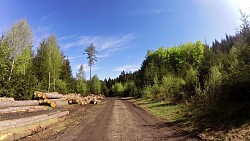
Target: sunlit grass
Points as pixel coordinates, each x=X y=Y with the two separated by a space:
x=168 y=112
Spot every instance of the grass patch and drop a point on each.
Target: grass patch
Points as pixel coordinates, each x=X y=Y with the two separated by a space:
x=169 y=112
x=216 y=122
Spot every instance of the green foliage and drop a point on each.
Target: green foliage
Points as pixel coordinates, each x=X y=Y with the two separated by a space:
x=4 y=60
x=211 y=94
x=172 y=87
x=66 y=75
x=91 y=52
x=95 y=85
x=118 y=88
x=130 y=89
x=104 y=88
x=19 y=40
x=48 y=62
x=81 y=81
x=61 y=86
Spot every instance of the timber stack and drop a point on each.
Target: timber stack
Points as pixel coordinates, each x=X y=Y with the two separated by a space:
x=54 y=99
x=18 y=128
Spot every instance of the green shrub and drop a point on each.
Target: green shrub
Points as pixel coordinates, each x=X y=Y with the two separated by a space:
x=172 y=87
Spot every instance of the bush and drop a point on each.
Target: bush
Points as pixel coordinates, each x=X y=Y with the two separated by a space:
x=172 y=87
x=147 y=92
x=191 y=82
x=212 y=92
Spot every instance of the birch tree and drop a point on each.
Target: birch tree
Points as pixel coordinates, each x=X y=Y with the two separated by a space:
x=81 y=82
x=19 y=39
x=49 y=62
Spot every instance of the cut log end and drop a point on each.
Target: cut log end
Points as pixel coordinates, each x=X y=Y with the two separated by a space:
x=53 y=104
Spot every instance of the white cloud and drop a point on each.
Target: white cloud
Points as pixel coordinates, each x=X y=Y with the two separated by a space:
x=75 y=57
x=107 y=44
x=127 y=68
x=67 y=37
x=85 y=67
x=40 y=33
x=102 y=56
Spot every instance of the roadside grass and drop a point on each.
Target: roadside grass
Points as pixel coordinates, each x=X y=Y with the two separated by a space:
x=171 y=113
x=219 y=123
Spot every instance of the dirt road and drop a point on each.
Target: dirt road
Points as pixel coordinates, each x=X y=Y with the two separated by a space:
x=114 y=120
x=120 y=120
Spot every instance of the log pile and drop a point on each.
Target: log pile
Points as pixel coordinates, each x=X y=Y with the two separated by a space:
x=21 y=103
x=22 y=109
x=19 y=128
x=53 y=99
x=7 y=99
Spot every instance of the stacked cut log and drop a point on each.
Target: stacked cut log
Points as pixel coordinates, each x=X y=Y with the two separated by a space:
x=75 y=99
x=53 y=99
x=19 y=128
x=22 y=109
x=7 y=99
x=9 y=105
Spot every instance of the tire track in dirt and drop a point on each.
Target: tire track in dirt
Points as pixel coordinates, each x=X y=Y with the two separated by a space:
x=118 y=120
x=129 y=122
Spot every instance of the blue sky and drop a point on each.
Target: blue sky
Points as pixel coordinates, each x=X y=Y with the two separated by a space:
x=122 y=30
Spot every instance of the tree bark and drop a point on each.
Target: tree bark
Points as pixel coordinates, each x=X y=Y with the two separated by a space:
x=7 y=99
x=60 y=102
x=53 y=95
x=11 y=69
x=19 y=128
x=49 y=82
x=20 y=103
x=22 y=109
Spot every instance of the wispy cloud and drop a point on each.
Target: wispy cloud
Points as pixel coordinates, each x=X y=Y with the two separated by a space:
x=75 y=57
x=127 y=68
x=40 y=33
x=67 y=37
x=85 y=67
x=102 y=43
x=102 y=56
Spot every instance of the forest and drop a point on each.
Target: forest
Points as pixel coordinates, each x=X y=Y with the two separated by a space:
x=195 y=74
x=211 y=78
x=25 y=70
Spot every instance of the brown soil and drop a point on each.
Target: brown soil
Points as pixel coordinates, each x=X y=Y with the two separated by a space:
x=112 y=120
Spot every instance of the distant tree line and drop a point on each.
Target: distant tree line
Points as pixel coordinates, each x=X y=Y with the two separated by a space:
x=196 y=73
x=23 y=71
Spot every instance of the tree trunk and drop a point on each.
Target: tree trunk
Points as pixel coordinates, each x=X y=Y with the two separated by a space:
x=19 y=128
x=7 y=99
x=90 y=72
x=21 y=103
x=11 y=69
x=21 y=109
x=53 y=95
x=54 y=81
x=49 y=82
x=58 y=102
